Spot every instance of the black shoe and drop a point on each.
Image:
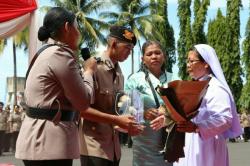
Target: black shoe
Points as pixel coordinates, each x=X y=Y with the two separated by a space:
x=232 y=140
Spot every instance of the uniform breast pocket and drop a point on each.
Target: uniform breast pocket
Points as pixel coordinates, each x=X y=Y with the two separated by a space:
x=105 y=99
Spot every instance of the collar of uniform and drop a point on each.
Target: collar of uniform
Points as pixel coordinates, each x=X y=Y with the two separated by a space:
x=108 y=63
x=52 y=41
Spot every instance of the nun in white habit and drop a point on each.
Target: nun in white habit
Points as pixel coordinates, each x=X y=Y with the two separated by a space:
x=217 y=120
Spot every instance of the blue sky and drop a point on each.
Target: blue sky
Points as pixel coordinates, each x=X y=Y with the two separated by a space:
x=6 y=58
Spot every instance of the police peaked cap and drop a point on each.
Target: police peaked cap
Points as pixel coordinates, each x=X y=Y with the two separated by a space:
x=123 y=34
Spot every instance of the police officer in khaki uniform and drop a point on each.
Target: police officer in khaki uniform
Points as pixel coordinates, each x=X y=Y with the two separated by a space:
x=99 y=142
x=8 y=133
x=15 y=122
x=3 y=126
x=55 y=92
x=245 y=119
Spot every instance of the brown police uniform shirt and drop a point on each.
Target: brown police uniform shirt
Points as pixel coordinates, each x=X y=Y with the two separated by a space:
x=15 y=121
x=3 y=120
x=99 y=139
x=245 y=118
x=55 y=76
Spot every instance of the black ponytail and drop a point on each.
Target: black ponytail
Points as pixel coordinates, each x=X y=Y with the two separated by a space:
x=53 y=21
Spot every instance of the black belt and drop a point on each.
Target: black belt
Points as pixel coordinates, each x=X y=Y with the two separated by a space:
x=49 y=114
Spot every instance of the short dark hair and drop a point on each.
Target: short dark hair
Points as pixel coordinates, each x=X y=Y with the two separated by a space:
x=1 y=103
x=53 y=20
x=149 y=43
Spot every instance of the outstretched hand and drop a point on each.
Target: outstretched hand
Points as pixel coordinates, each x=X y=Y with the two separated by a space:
x=127 y=123
x=151 y=114
x=158 y=122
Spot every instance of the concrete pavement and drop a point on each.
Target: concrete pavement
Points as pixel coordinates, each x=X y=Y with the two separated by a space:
x=238 y=153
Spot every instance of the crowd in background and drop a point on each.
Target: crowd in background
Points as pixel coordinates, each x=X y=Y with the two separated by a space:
x=10 y=124
x=245 y=123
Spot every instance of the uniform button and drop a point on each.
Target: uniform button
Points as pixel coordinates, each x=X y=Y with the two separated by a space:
x=93 y=128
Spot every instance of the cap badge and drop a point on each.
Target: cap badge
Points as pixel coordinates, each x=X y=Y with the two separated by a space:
x=128 y=35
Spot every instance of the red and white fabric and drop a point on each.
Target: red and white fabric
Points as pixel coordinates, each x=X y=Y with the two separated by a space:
x=11 y=9
x=15 y=15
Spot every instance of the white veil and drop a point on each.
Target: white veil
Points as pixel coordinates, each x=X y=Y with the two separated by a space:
x=209 y=55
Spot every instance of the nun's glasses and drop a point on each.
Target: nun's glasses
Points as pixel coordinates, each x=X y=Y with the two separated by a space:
x=189 y=61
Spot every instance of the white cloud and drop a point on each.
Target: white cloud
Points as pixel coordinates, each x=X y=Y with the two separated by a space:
x=172 y=1
x=215 y=4
x=245 y=4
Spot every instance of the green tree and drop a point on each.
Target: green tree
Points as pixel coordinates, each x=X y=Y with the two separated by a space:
x=184 y=14
x=199 y=21
x=2 y=45
x=190 y=35
x=197 y=4
x=165 y=30
x=244 y=101
x=20 y=40
x=90 y=27
x=216 y=35
x=231 y=62
x=131 y=13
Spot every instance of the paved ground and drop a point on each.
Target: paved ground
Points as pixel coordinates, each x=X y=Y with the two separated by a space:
x=238 y=152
